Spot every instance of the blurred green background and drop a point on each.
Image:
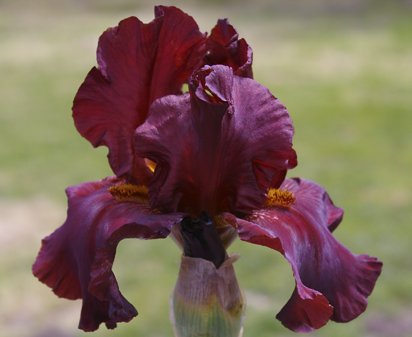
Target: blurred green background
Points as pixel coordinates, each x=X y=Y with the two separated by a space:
x=343 y=69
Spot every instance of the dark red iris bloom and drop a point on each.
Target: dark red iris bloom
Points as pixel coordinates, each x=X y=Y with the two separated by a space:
x=222 y=149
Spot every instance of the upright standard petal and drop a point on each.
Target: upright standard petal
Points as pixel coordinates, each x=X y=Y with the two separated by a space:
x=76 y=260
x=223 y=46
x=137 y=63
x=331 y=282
x=219 y=147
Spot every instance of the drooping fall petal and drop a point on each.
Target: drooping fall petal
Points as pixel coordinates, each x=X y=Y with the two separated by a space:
x=76 y=260
x=137 y=63
x=223 y=46
x=331 y=282
x=219 y=147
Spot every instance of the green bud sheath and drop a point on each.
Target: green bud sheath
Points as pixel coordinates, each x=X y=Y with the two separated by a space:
x=207 y=301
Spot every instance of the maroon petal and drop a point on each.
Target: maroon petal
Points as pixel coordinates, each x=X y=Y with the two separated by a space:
x=324 y=270
x=76 y=260
x=219 y=147
x=137 y=63
x=223 y=46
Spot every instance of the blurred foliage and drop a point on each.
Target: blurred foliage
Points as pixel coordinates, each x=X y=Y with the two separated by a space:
x=344 y=71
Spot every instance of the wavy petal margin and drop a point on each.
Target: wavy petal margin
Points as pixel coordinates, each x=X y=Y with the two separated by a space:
x=219 y=147
x=331 y=282
x=137 y=63
x=76 y=260
x=223 y=46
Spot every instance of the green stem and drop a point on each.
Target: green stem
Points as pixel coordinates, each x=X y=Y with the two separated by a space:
x=207 y=301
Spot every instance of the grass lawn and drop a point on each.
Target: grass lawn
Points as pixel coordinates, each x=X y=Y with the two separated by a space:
x=343 y=70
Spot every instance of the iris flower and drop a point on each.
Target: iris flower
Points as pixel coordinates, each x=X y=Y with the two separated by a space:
x=208 y=165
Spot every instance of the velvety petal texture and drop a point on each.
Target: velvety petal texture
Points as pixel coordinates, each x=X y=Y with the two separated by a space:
x=331 y=282
x=223 y=46
x=217 y=148
x=137 y=63
x=76 y=260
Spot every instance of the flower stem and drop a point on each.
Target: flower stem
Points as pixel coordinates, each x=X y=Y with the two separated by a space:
x=207 y=301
